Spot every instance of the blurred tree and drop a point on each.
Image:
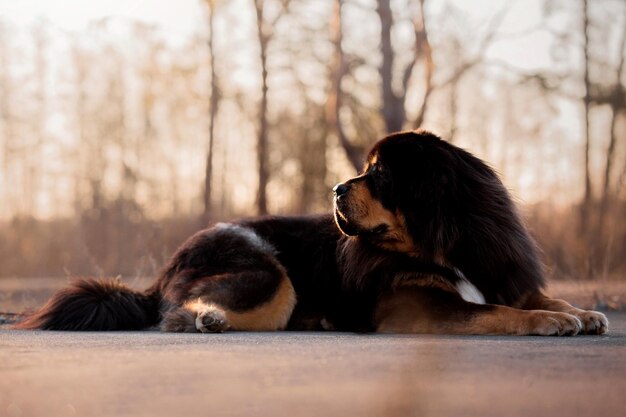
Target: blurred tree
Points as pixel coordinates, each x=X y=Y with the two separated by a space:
x=333 y=77
x=396 y=81
x=6 y=120
x=587 y=196
x=616 y=99
x=36 y=162
x=90 y=163
x=334 y=101
x=601 y=80
x=213 y=107
x=265 y=32
x=394 y=100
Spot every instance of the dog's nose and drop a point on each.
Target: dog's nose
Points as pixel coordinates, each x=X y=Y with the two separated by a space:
x=340 y=189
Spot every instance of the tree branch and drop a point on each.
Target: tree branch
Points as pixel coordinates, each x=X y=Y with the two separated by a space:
x=334 y=101
x=423 y=48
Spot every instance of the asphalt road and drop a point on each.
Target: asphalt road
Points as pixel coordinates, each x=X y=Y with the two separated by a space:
x=311 y=374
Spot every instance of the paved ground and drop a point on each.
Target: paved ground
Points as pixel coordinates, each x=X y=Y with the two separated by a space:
x=311 y=374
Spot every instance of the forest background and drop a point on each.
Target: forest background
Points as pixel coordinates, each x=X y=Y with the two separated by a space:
x=126 y=128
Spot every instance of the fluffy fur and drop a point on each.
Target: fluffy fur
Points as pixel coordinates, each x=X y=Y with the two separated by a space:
x=89 y=304
x=422 y=220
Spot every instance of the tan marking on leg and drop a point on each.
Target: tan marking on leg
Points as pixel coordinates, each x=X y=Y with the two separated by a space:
x=511 y=321
x=593 y=322
x=402 y=312
x=272 y=315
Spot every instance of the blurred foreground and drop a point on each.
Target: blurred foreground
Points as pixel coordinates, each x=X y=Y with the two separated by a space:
x=311 y=374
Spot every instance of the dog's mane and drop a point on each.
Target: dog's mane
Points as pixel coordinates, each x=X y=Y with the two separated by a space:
x=366 y=267
x=459 y=214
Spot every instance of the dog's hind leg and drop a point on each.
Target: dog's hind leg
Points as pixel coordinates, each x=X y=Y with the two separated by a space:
x=226 y=278
x=225 y=302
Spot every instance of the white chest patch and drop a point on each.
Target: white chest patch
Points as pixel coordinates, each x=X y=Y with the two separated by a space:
x=469 y=292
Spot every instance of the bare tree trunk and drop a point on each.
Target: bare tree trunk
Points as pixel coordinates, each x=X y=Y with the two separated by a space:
x=312 y=156
x=90 y=161
x=610 y=156
x=617 y=106
x=393 y=104
x=6 y=120
x=586 y=203
x=334 y=102
x=213 y=108
x=454 y=100
x=454 y=111
x=37 y=163
x=424 y=50
x=262 y=145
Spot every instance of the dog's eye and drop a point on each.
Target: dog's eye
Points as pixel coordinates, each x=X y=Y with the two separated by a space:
x=381 y=183
x=370 y=170
x=379 y=176
x=377 y=169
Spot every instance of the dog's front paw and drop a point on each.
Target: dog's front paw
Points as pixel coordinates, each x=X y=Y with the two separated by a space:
x=547 y=323
x=593 y=322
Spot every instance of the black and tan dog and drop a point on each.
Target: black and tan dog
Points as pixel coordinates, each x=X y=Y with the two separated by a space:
x=425 y=240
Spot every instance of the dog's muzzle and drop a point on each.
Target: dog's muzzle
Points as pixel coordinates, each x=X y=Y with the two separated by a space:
x=341 y=210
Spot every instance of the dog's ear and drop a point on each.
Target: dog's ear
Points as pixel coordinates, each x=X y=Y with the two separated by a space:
x=429 y=210
x=430 y=182
x=441 y=185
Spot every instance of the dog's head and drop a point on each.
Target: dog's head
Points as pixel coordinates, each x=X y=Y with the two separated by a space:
x=398 y=201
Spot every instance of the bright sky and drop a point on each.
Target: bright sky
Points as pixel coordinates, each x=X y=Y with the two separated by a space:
x=176 y=18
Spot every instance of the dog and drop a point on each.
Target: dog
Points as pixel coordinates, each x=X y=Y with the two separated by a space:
x=426 y=239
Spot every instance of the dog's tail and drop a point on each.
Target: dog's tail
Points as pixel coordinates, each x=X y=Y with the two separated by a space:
x=90 y=304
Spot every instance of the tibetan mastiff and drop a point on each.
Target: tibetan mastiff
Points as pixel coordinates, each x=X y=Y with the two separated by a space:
x=425 y=239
